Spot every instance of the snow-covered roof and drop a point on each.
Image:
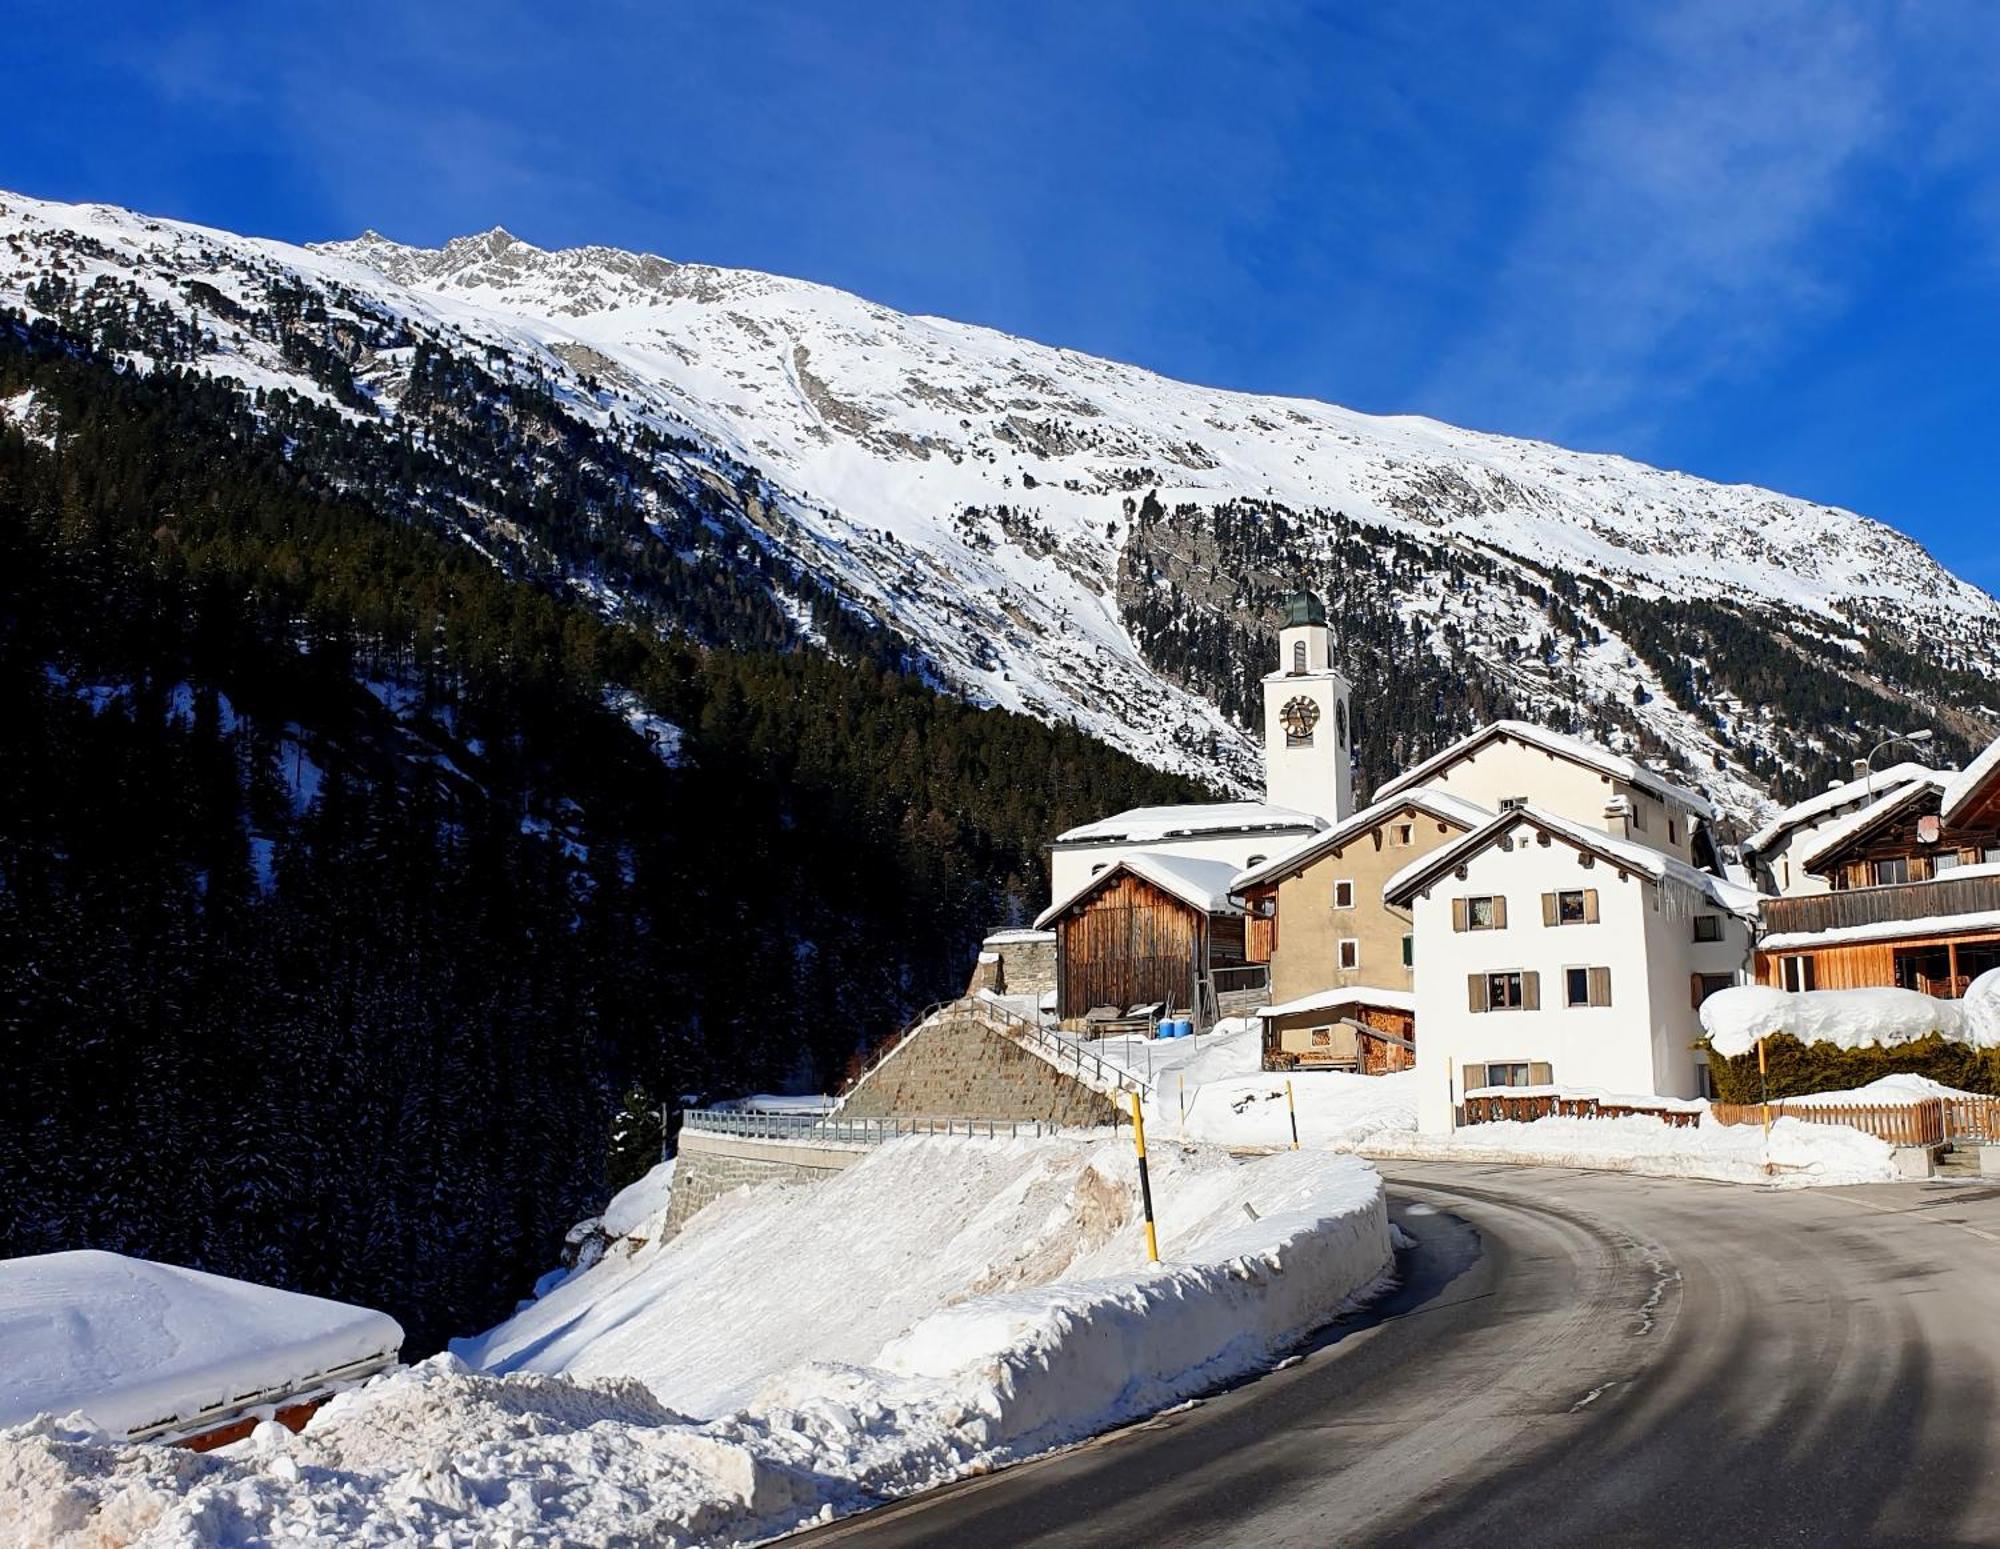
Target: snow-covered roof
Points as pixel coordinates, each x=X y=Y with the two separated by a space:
x=1151 y=825
x=1018 y=936
x=1881 y=808
x=1883 y=930
x=138 y=1346
x=1439 y=804
x=1975 y=777
x=1353 y=995
x=1577 y=751
x=1198 y=883
x=1653 y=864
x=1803 y=814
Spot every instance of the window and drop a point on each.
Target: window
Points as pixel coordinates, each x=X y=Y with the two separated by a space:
x=1784 y=873
x=1638 y=814
x=1343 y=893
x=1402 y=835
x=1947 y=860
x=1586 y=986
x=1506 y=1072
x=1483 y=913
x=1891 y=871
x=1099 y=867
x=1572 y=906
x=1992 y=855
x=1801 y=972
x=1255 y=860
x=1409 y=951
x=1506 y=991
x=1705 y=985
x=1704 y=1081
x=1340 y=724
x=1350 y=952
x=1673 y=832
x=1708 y=927
x=1322 y=1037
x=1298 y=656
x=1513 y=803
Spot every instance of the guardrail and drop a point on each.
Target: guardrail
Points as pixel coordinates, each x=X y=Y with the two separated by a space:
x=1059 y=1049
x=834 y=1130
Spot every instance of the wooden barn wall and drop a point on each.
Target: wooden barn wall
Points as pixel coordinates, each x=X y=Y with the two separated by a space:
x=1128 y=943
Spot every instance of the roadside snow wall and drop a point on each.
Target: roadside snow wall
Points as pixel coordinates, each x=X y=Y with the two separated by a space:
x=1063 y=1331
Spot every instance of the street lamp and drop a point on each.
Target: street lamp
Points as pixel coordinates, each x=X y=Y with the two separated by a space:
x=1914 y=738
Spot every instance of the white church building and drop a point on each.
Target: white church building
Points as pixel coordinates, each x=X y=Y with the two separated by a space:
x=1308 y=775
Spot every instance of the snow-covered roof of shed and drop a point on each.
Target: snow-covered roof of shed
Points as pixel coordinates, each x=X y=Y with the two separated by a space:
x=1353 y=995
x=1891 y=801
x=1968 y=782
x=1803 y=814
x=1577 y=751
x=133 y=1344
x=1198 y=883
x=1152 y=825
x=1642 y=859
x=1439 y=804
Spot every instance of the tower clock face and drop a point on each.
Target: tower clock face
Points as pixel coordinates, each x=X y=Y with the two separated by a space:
x=1299 y=716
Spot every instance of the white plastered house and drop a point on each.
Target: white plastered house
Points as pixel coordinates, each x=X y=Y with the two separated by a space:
x=1554 y=953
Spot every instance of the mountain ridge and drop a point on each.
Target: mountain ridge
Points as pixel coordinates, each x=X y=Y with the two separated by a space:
x=1046 y=529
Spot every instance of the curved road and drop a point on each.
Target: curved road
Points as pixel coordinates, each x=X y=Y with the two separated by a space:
x=1578 y=1358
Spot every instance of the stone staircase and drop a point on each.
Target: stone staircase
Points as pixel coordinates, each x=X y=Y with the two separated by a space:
x=960 y=1063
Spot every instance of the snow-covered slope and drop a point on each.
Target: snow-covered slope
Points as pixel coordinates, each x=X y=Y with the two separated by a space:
x=1086 y=540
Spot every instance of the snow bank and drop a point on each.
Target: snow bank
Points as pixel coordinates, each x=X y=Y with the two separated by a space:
x=133 y=1344
x=1212 y=1089
x=1736 y=1018
x=1052 y=1327
x=1802 y=1154
x=1904 y=1087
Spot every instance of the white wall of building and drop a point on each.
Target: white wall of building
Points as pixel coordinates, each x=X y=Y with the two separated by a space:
x=1503 y=769
x=1639 y=1043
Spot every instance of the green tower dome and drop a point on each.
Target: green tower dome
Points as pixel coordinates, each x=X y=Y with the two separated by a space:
x=1304 y=608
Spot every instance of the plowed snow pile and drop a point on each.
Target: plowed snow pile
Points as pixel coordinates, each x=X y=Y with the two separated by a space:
x=942 y=1306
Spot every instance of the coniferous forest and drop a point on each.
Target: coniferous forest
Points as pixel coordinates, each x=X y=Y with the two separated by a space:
x=342 y=911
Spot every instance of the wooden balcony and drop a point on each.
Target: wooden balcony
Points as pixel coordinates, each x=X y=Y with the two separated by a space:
x=1946 y=895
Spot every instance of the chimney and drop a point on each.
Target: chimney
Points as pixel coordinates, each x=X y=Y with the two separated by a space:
x=1861 y=769
x=1618 y=817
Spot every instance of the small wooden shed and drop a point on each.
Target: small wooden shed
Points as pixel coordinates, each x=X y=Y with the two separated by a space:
x=1147 y=929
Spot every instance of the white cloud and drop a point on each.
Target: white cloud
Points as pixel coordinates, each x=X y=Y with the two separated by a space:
x=1681 y=225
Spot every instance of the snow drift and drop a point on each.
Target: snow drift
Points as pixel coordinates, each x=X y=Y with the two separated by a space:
x=1032 y=1339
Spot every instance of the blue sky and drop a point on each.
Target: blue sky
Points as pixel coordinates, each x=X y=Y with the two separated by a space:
x=1755 y=239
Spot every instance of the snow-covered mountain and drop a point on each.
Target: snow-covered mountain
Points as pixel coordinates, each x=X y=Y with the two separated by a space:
x=1069 y=536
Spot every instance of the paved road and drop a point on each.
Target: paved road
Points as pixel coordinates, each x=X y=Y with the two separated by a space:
x=1579 y=1358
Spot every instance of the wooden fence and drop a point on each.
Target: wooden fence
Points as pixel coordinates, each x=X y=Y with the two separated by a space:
x=1923 y=1123
x=1546 y=1105
x=1930 y=1121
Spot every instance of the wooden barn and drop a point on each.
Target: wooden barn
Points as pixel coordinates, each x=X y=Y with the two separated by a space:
x=1914 y=895
x=1146 y=930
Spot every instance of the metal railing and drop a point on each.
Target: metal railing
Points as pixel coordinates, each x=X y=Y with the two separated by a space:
x=1059 y=1049
x=838 y=1130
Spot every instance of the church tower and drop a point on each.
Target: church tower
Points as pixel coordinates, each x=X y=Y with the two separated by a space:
x=1308 y=752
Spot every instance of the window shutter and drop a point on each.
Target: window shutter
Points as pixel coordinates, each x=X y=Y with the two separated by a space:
x=1531 y=991
x=1694 y=991
x=1548 y=908
x=1458 y=914
x=1499 y=911
x=1473 y=1079
x=1600 y=986
x=1590 y=906
x=1540 y=1073
x=1475 y=992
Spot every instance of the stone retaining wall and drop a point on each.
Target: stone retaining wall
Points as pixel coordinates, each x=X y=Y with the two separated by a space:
x=709 y=1166
x=957 y=1067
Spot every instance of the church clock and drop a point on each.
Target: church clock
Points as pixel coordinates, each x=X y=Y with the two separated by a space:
x=1298 y=717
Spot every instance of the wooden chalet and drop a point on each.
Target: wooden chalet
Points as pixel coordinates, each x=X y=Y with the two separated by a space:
x=1914 y=898
x=1150 y=930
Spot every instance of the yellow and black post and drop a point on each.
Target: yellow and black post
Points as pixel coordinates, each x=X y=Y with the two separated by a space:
x=1145 y=1183
x=1292 y=1109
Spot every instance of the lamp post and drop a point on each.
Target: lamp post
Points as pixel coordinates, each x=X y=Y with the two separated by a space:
x=1915 y=739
